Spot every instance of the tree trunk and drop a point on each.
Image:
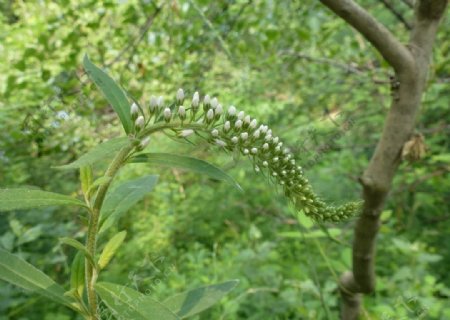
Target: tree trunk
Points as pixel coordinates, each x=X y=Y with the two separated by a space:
x=411 y=64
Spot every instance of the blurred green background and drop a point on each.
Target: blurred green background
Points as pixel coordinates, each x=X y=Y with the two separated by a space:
x=292 y=65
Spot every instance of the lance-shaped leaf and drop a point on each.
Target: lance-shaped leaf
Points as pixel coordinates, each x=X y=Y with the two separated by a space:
x=22 y=274
x=80 y=247
x=98 y=153
x=110 y=249
x=77 y=274
x=20 y=199
x=185 y=162
x=86 y=177
x=191 y=302
x=121 y=199
x=112 y=92
x=131 y=304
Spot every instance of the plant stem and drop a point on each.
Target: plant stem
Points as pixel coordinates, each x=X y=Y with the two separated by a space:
x=91 y=241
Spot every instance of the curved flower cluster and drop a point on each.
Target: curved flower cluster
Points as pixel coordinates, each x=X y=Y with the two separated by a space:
x=234 y=130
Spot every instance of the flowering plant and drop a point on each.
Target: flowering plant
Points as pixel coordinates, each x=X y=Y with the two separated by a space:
x=230 y=130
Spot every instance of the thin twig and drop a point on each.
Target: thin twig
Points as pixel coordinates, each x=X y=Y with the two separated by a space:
x=132 y=45
x=397 y=14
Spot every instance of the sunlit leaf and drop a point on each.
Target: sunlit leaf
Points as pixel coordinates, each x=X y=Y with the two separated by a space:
x=86 y=177
x=110 y=249
x=191 y=302
x=131 y=304
x=187 y=163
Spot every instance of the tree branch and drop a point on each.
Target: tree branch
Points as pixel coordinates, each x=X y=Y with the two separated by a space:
x=397 y=14
x=132 y=45
x=394 y=52
x=377 y=179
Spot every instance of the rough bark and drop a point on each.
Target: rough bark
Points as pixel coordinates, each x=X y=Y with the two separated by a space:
x=410 y=63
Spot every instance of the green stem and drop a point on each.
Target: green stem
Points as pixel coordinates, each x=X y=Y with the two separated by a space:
x=172 y=125
x=91 y=241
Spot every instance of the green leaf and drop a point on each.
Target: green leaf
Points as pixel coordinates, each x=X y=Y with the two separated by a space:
x=77 y=274
x=191 y=302
x=112 y=92
x=20 y=199
x=86 y=177
x=131 y=304
x=121 y=199
x=100 y=152
x=79 y=246
x=185 y=162
x=22 y=274
x=110 y=249
x=98 y=182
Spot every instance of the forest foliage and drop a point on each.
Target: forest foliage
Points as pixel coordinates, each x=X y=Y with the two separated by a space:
x=291 y=64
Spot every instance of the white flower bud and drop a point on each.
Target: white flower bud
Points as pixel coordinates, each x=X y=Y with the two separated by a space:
x=140 y=122
x=246 y=151
x=277 y=148
x=253 y=124
x=274 y=174
x=144 y=143
x=215 y=132
x=160 y=102
x=219 y=110
x=293 y=161
x=283 y=173
x=257 y=169
x=134 y=109
x=238 y=124
x=265 y=146
x=275 y=159
x=195 y=100
x=247 y=119
x=234 y=139
x=244 y=136
x=220 y=143
x=265 y=163
x=256 y=134
x=180 y=95
x=280 y=144
x=282 y=183
x=207 y=99
x=185 y=133
x=227 y=126
x=268 y=137
x=241 y=115
x=286 y=151
x=214 y=103
x=153 y=103
x=254 y=150
x=275 y=140
x=181 y=112
x=263 y=128
x=167 y=114
x=232 y=111
x=210 y=114
x=269 y=131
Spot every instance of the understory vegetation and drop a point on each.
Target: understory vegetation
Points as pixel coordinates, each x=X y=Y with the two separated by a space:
x=274 y=210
